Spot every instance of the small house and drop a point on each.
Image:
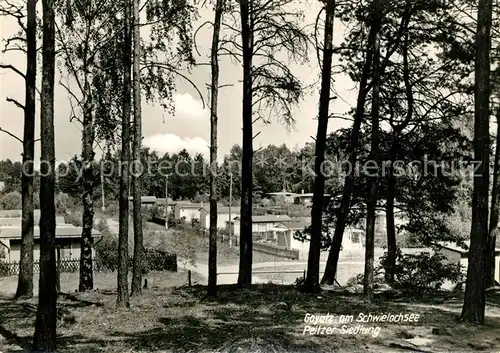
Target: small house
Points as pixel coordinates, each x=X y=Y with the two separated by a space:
x=224 y=214
x=306 y=199
x=282 y=196
x=146 y=201
x=284 y=234
x=459 y=254
x=187 y=210
x=261 y=224
x=68 y=238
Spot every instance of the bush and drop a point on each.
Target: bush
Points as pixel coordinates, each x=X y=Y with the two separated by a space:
x=64 y=203
x=106 y=251
x=11 y=201
x=423 y=272
x=74 y=218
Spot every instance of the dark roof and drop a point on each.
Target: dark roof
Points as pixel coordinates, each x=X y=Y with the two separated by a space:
x=62 y=231
x=145 y=199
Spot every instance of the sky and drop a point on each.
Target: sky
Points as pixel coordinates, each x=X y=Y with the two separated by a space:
x=190 y=127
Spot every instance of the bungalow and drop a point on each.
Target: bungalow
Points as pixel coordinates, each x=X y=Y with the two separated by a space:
x=160 y=202
x=284 y=235
x=459 y=255
x=68 y=237
x=146 y=201
x=283 y=196
x=188 y=211
x=223 y=216
x=305 y=199
x=261 y=224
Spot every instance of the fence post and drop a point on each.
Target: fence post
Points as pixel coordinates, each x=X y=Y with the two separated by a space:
x=304 y=274
x=58 y=269
x=189 y=278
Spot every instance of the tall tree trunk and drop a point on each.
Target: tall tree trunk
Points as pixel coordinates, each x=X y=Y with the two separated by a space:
x=495 y=211
x=46 y=316
x=123 y=294
x=86 y=268
x=389 y=213
x=136 y=180
x=214 y=90
x=333 y=256
x=25 y=279
x=475 y=296
x=374 y=156
x=312 y=280
x=245 y=268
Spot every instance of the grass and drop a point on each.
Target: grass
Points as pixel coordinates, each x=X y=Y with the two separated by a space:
x=269 y=318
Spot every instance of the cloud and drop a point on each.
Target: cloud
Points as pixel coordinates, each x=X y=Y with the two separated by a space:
x=172 y=143
x=188 y=106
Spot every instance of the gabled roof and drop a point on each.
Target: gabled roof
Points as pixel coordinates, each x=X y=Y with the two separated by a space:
x=309 y=194
x=269 y=219
x=293 y=225
x=62 y=231
x=462 y=249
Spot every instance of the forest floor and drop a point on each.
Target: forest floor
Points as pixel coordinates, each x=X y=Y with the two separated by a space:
x=267 y=318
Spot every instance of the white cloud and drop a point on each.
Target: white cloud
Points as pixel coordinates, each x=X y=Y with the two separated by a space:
x=172 y=143
x=188 y=106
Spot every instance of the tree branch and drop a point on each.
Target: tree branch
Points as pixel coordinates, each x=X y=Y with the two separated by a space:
x=13 y=68
x=11 y=135
x=17 y=104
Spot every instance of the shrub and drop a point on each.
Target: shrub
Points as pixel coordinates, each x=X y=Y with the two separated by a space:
x=11 y=201
x=64 y=203
x=422 y=272
x=106 y=251
x=74 y=218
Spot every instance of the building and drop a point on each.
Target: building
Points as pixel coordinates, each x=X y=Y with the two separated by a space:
x=305 y=199
x=16 y=222
x=146 y=201
x=187 y=210
x=284 y=235
x=282 y=196
x=222 y=216
x=160 y=202
x=261 y=224
x=68 y=237
x=459 y=255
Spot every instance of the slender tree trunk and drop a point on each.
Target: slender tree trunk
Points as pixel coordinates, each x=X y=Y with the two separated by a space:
x=475 y=296
x=86 y=269
x=373 y=179
x=136 y=180
x=391 y=224
x=214 y=90
x=333 y=256
x=46 y=316
x=245 y=268
x=25 y=279
x=494 y=216
x=312 y=279
x=123 y=259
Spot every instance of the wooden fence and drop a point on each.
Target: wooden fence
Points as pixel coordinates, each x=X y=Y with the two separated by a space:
x=276 y=250
x=154 y=260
